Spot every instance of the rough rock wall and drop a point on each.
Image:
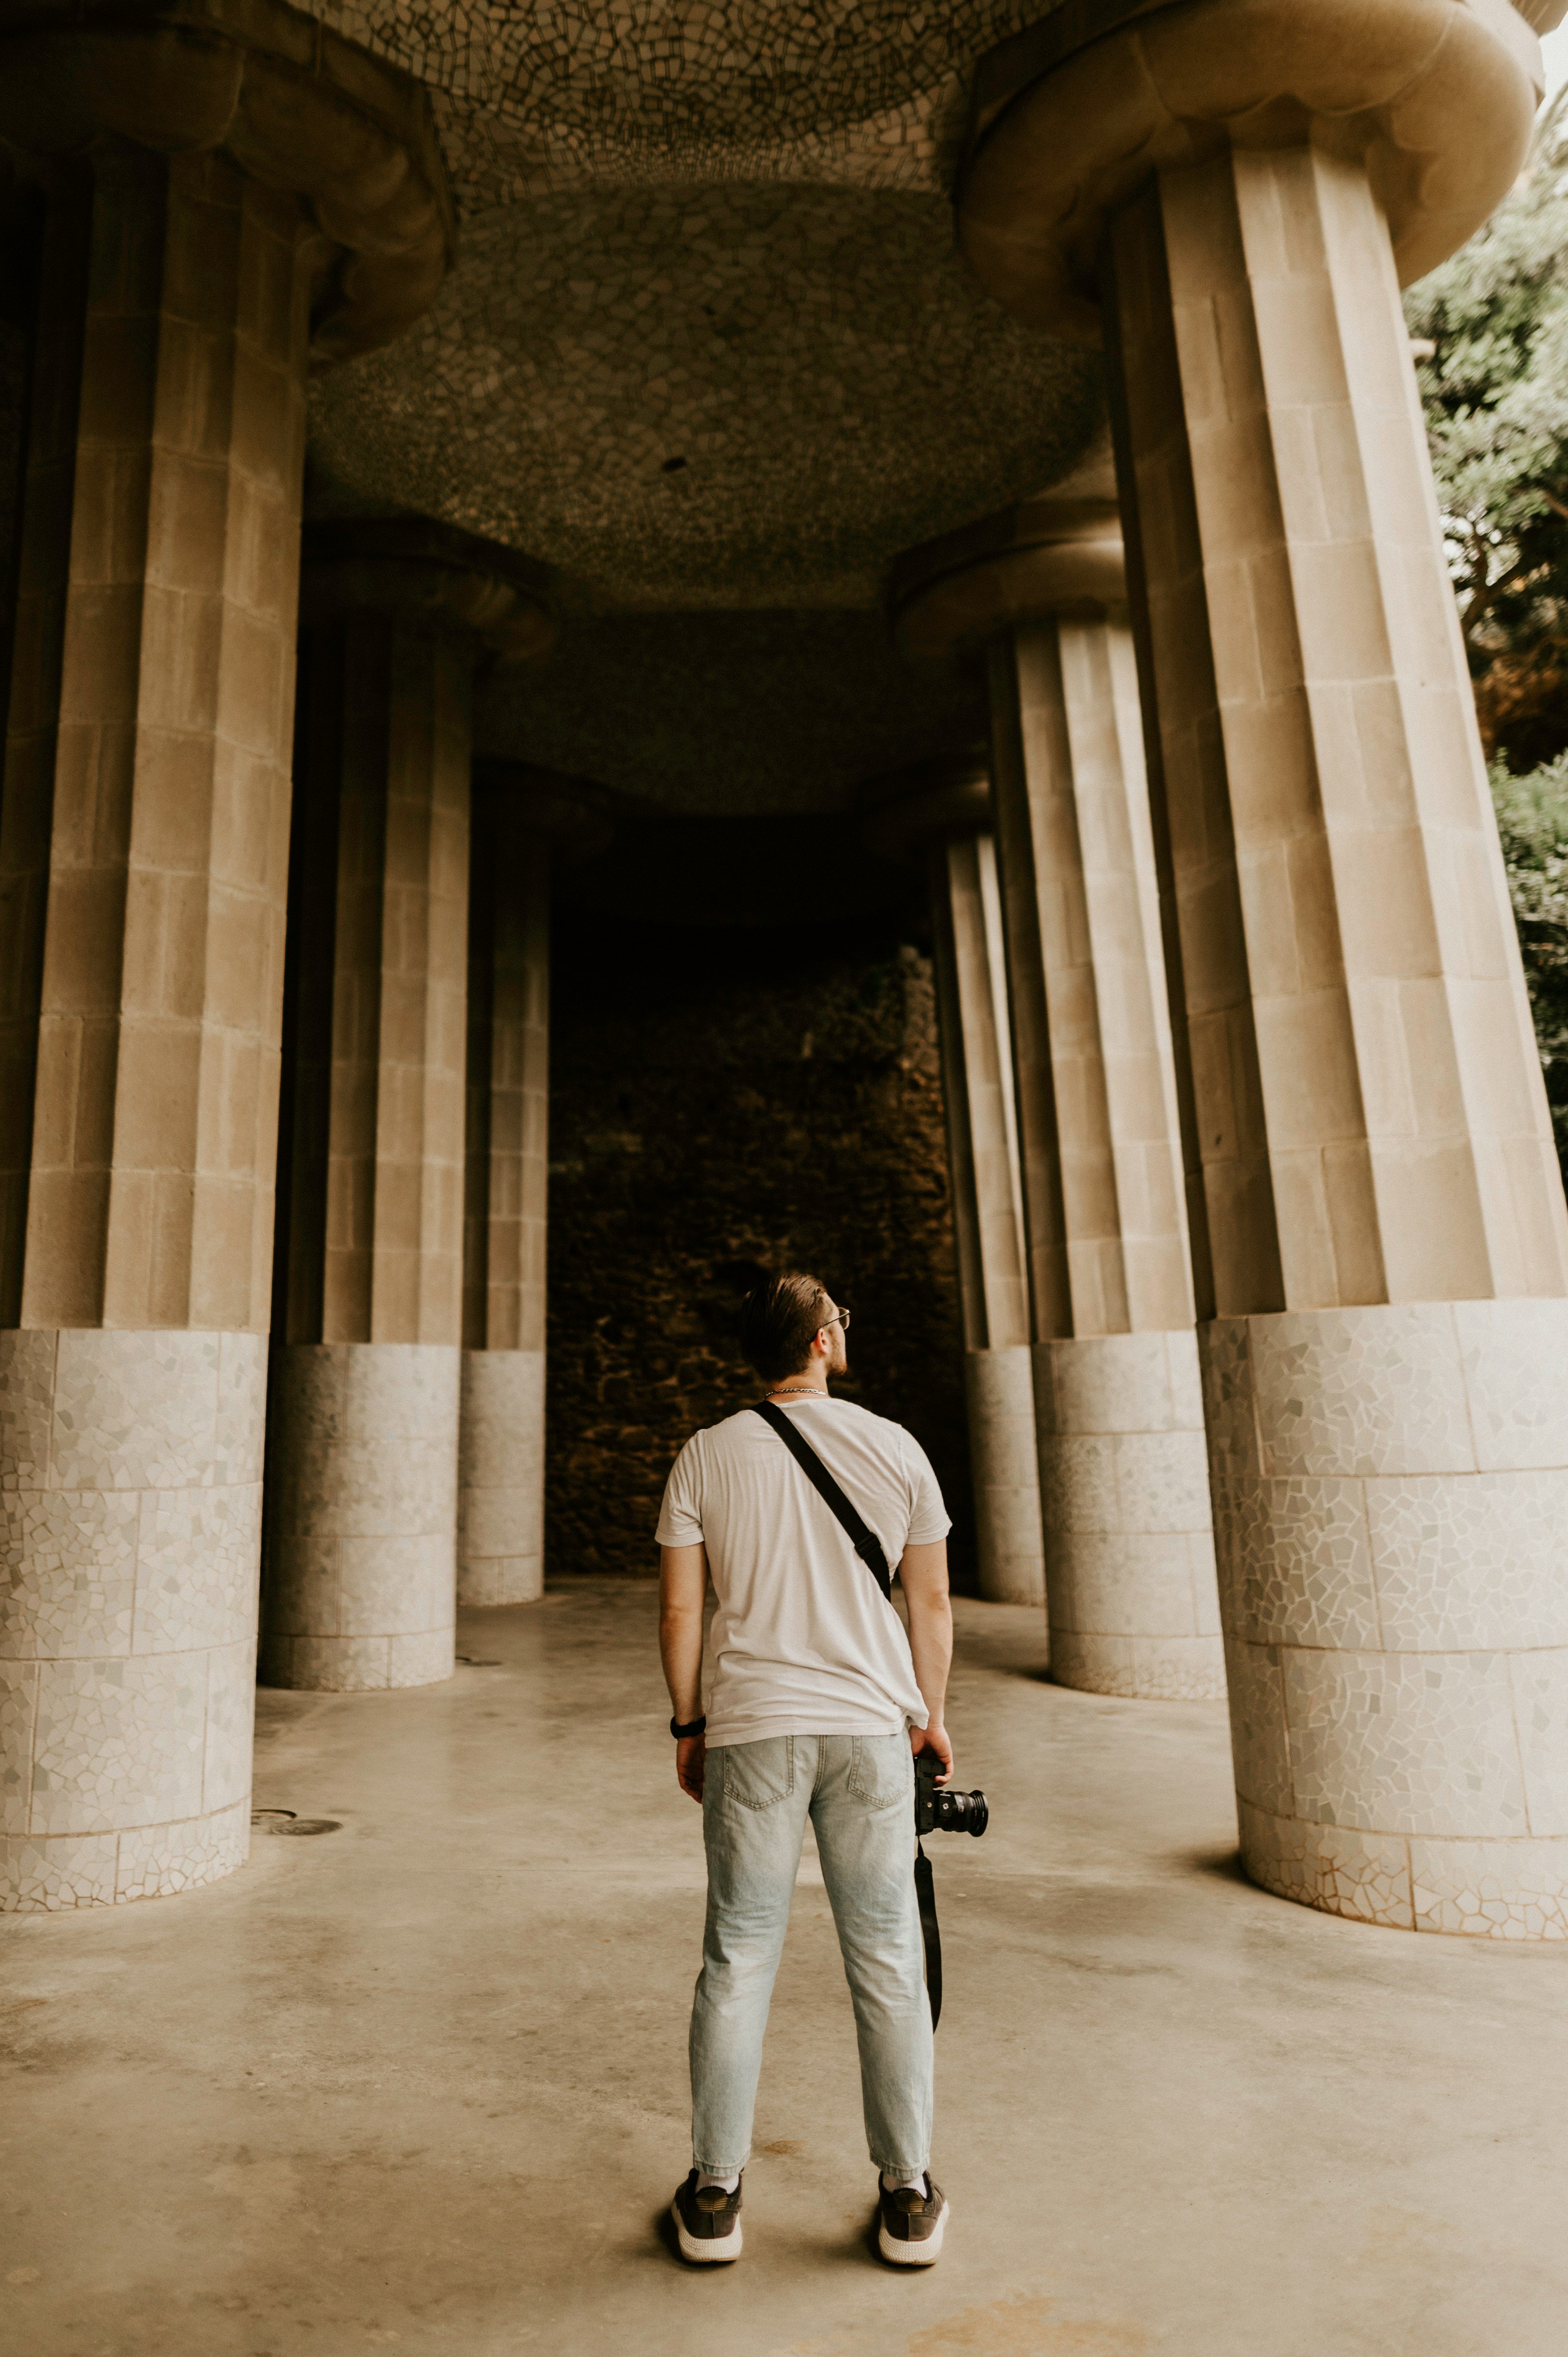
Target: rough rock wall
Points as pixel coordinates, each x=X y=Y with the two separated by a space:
x=719 y=1100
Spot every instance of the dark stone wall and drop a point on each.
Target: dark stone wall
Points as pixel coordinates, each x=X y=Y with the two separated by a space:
x=721 y=1101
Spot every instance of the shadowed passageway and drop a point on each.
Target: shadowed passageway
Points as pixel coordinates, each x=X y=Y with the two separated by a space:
x=421 y=2083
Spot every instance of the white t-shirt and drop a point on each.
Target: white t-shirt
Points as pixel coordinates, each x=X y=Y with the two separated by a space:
x=804 y=1641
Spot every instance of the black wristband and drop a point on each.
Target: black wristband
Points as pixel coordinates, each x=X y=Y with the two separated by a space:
x=680 y=1733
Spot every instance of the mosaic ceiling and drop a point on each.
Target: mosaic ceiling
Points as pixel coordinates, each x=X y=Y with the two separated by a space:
x=708 y=344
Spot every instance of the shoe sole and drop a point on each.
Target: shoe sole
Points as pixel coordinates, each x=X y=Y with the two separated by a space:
x=714 y=2252
x=924 y=2254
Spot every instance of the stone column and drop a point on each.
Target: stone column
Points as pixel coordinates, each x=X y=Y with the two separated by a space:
x=359 y=1583
x=945 y=809
x=524 y=819
x=1385 y=1307
x=143 y=846
x=1128 y=1550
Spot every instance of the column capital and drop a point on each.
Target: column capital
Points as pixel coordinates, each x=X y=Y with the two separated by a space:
x=413 y=569
x=906 y=812
x=1058 y=555
x=574 y=815
x=291 y=102
x=1437 y=96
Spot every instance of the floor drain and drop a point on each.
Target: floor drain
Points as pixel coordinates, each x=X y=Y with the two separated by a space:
x=283 y=1821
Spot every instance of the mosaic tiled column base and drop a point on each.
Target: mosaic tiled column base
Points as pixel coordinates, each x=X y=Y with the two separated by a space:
x=1129 y=1583
x=1390 y=1490
x=501 y=1478
x=130 y=1531
x=361 y=1578
x=1000 y=1392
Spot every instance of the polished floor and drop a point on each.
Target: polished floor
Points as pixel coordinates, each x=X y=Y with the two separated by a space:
x=420 y=2082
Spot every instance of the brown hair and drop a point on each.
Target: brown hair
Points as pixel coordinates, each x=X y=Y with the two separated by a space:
x=778 y=1321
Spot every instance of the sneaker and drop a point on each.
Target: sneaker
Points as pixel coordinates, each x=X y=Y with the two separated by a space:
x=910 y=2224
x=708 y=2223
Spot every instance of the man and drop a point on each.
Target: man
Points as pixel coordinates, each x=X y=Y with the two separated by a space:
x=819 y=1704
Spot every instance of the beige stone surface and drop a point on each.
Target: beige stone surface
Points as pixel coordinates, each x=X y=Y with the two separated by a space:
x=1389 y=1484
x=360 y=1577
x=295 y=107
x=1432 y=97
x=1381 y=1224
x=1256 y=2130
x=130 y=1524
x=501 y=1478
x=151 y=756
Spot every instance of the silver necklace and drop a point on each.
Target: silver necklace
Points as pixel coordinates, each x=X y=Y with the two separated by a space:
x=802 y=1391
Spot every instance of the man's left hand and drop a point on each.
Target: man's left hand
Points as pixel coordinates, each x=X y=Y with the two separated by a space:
x=691 y=1758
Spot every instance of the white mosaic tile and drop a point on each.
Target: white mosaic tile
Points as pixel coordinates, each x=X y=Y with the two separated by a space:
x=328 y=1664
x=1373 y=1391
x=1161 y=1481
x=1115 y=1383
x=1491 y=1890
x=1229 y=1413
x=402 y=1391
x=118 y=1743
x=198 y=1555
x=422 y=1660
x=135 y=1411
x=27 y=1407
x=501 y=1521
x=1297 y=1569
x=1078 y=1485
x=1177 y=1669
x=395 y=1585
x=1091 y=1665
x=1366 y=1876
x=1539 y=1681
x=502 y=1411
x=1259 y=1750
x=1516 y=1377
x=1404 y=1743
x=241 y=1433
x=18 y=1716
x=50 y=1877
x=68 y=1572
x=230 y=1735
x=1121 y=1584
x=1470 y=1562
x=501 y=1579
x=158 y=1861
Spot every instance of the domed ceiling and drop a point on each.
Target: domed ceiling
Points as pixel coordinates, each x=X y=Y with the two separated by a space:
x=708 y=343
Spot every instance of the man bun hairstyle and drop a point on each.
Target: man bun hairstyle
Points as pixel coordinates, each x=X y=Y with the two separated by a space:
x=778 y=1319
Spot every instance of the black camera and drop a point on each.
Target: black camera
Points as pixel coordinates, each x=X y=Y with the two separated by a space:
x=938 y=1811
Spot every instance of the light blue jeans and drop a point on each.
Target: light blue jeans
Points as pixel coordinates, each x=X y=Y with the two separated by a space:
x=859 y=1792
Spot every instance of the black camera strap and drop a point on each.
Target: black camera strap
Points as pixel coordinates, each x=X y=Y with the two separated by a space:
x=861 y=1537
x=926 y=1895
x=872 y=1553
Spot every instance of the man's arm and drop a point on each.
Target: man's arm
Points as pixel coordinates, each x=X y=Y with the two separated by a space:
x=683 y=1585
x=923 y=1576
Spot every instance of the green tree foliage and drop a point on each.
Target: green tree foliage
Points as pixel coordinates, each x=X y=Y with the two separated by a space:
x=1533 y=818
x=1494 y=383
x=1492 y=333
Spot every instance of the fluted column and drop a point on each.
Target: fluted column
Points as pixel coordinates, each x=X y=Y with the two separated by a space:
x=1123 y=1493
x=144 y=848
x=525 y=820
x=944 y=811
x=360 y=1551
x=1385 y=1289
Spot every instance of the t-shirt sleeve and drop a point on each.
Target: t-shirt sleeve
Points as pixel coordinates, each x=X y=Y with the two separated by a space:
x=928 y=1518
x=679 y=1516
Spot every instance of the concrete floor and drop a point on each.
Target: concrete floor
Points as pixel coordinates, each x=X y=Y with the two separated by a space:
x=421 y=2083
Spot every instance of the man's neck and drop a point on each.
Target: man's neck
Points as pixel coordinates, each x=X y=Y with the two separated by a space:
x=799 y=1387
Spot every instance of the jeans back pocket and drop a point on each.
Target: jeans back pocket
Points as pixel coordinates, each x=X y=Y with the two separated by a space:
x=757 y=1775
x=881 y=1772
